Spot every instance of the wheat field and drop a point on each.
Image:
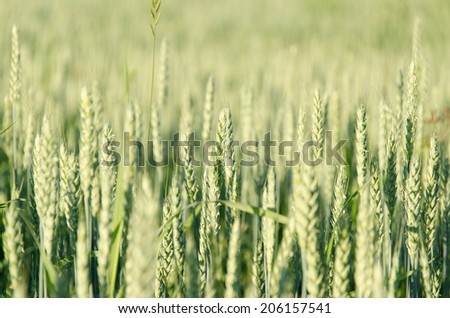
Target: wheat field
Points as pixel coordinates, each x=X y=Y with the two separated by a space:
x=101 y=195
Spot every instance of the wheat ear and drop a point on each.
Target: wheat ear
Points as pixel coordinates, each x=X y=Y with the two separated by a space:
x=45 y=176
x=208 y=109
x=164 y=265
x=268 y=225
x=411 y=119
x=365 y=250
x=341 y=264
x=308 y=231
x=362 y=149
x=108 y=182
x=15 y=84
x=232 y=276
x=143 y=238
x=179 y=239
x=259 y=276
x=377 y=206
x=69 y=192
x=133 y=126
x=82 y=260
x=413 y=211
x=13 y=246
x=431 y=198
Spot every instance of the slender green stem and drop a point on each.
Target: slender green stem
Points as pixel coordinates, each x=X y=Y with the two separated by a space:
x=42 y=280
x=153 y=73
x=89 y=235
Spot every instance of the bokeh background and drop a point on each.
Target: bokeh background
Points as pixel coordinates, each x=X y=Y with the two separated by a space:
x=282 y=50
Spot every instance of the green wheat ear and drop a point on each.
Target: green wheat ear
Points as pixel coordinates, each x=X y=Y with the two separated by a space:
x=318 y=127
x=11 y=101
x=385 y=125
x=70 y=192
x=431 y=195
x=338 y=211
x=82 y=260
x=190 y=181
x=308 y=218
x=411 y=118
x=225 y=138
x=143 y=244
x=88 y=145
x=179 y=239
x=108 y=182
x=269 y=225
x=232 y=277
x=377 y=205
x=413 y=211
x=133 y=126
x=339 y=196
x=45 y=176
x=208 y=109
x=155 y=6
x=390 y=177
x=13 y=245
x=362 y=148
x=166 y=250
x=259 y=277
x=365 y=247
x=342 y=260
x=163 y=75
x=14 y=79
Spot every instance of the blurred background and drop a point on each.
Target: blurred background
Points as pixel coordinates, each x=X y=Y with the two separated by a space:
x=281 y=50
